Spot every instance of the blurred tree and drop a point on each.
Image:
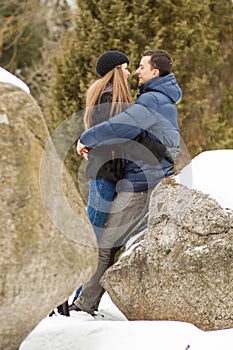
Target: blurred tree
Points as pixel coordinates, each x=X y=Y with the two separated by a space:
x=29 y=32
x=20 y=42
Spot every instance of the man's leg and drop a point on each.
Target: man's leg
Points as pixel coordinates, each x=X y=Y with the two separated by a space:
x=127 y=209
x=92 y=291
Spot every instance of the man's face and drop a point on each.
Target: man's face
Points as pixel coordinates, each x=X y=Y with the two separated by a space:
x=145 y=71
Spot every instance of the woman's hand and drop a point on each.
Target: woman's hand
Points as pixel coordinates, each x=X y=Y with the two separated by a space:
x=82 y=150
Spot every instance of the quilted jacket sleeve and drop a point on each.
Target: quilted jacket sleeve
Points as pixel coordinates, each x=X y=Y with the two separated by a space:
x=126 y=125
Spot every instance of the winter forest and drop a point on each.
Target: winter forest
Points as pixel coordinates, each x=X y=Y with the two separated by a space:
x=53 y=46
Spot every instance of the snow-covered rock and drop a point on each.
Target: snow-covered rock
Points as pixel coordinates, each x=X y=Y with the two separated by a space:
x=7 y=77
x=182 y=269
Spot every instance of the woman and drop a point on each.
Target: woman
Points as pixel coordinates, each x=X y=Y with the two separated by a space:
x=106 y=97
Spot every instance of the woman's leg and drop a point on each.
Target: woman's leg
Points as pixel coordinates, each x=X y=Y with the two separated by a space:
x=101 y=194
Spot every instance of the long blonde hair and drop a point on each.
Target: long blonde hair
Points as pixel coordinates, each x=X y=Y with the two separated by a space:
x=120 y=89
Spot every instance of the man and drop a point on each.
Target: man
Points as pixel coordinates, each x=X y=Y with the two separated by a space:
x=154 y=116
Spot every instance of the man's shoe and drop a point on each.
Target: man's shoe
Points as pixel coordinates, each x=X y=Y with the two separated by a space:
x=62 y=309
x=74 y=307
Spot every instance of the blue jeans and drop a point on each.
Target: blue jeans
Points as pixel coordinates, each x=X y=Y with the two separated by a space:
x=78 y=291
x=101 y=194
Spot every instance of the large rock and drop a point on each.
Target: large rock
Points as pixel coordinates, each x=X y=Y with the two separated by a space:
x=182 y=267
x=40 y=264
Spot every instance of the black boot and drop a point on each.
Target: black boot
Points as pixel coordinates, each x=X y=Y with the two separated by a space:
x=74 y=307
x=62 y=309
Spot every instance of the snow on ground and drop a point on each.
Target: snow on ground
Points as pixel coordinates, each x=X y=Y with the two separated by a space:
x=211 y=172
x=81 y=331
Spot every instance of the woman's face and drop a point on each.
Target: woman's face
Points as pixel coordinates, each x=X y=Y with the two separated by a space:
x=125 y=71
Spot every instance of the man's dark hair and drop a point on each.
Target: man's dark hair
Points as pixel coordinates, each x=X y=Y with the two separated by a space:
x=161 y=60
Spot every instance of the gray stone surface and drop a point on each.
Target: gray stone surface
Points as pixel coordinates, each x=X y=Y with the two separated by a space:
x=40 y=265
x=182 y=267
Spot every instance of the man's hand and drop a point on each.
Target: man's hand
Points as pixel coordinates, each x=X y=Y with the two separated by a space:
x=82 y=150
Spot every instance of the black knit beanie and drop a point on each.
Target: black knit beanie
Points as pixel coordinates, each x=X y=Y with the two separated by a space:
x=109 y=60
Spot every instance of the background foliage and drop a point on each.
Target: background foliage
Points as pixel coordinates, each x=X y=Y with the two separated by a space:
x=54 y=47
x=30 y=34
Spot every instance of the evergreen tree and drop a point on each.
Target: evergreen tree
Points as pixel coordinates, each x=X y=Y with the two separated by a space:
x=201 y=40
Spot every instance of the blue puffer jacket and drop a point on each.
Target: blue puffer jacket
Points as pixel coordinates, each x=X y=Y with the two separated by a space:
x=154 y=114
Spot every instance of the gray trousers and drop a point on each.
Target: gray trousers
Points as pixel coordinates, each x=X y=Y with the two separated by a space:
x=126 y=211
